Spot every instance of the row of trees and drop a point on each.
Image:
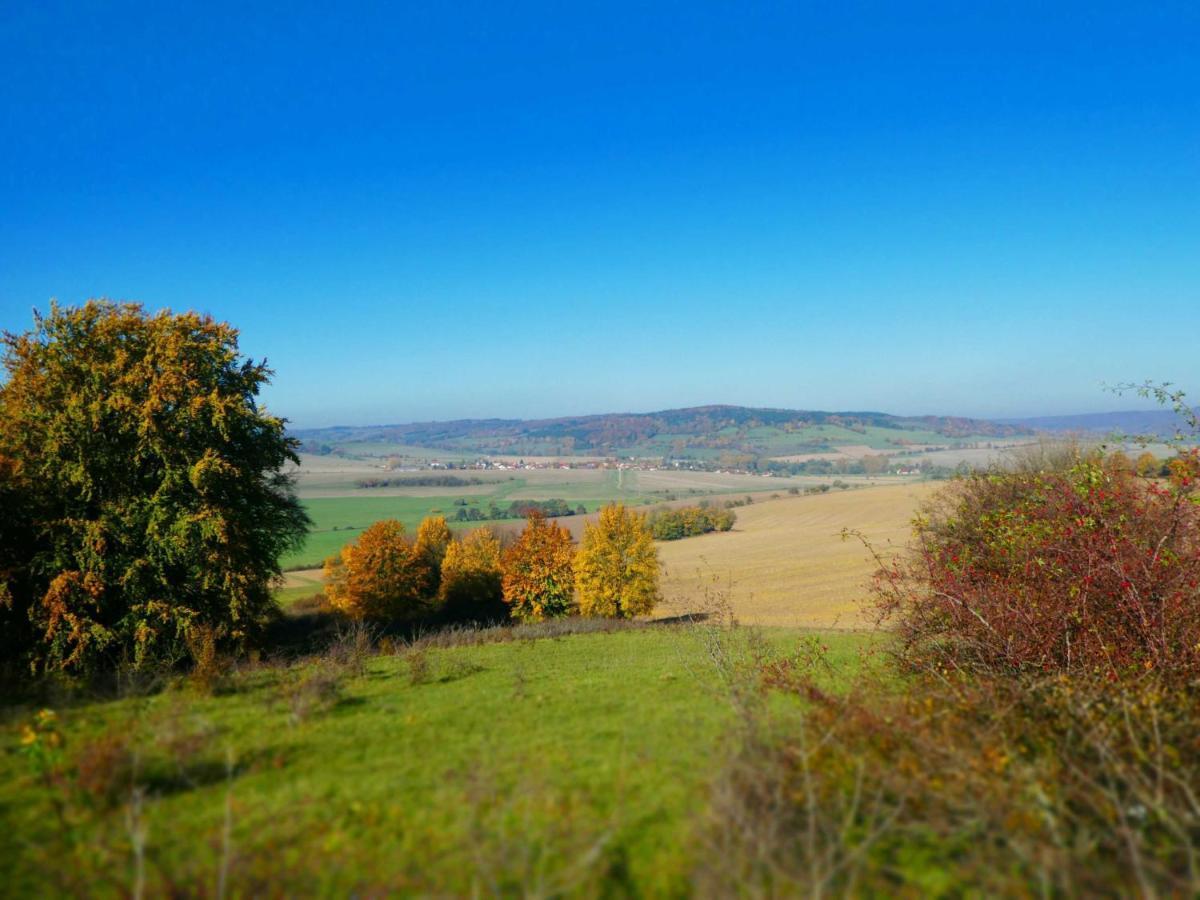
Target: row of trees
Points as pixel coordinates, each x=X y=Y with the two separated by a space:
x=689 y=521
x=386 y=576
x=517 y=509
x=874 y=464
x=420 y=481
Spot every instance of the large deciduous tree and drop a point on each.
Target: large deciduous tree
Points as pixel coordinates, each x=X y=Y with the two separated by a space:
x=382 y=576
x=149 y=482
x=539 y=581
x=616 y=568
x=471 y=583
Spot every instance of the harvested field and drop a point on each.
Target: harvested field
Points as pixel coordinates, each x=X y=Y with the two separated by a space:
x=785 y=562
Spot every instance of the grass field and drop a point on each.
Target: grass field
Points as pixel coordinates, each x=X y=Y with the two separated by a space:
x=785 y=562
x=339 y=520
x=529 y=764
x=340 y=510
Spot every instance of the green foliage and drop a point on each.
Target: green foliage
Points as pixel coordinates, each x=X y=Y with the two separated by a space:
x=150 y=477
x=689 y=521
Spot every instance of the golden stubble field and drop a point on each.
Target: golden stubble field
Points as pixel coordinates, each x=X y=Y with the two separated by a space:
x=785 y=562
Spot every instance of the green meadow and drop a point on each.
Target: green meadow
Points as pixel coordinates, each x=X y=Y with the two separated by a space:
x=538 y=763
x=339 y=520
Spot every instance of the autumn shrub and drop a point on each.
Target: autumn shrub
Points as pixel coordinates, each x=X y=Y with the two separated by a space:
x=381 y=576
x=982 y=787
x=352 y=646
x=616 y=567
x=538 y=574
x=1085 y=568
x=471 y=588
x=311 y=688
x=420 y=667
x=1038 y=731
x=208 y=672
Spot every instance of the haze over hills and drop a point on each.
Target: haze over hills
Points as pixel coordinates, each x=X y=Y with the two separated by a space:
x=1150 y=422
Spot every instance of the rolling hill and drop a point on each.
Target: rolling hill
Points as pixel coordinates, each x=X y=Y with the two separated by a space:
x=693 y=432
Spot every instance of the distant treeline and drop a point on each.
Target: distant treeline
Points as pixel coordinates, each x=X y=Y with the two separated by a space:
x=867 y=465
x=688 y=521
x=518 y=509
x=421 y=481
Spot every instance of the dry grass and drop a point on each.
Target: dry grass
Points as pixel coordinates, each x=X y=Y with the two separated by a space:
x=785 y=560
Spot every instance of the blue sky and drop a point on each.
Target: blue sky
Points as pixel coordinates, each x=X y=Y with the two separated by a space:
x=448 y=210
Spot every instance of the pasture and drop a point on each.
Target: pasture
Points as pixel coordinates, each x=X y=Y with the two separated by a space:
x=539 y=763
x=340 y=510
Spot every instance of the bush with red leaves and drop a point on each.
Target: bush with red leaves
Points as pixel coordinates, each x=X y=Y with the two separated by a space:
x=1086 y=569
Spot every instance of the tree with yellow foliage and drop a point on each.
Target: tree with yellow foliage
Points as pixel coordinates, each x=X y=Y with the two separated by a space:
x=471 y=582
x=433 y=537
x=382 y=575
x=539 y=580
x=616 y=568
x=1147 y=465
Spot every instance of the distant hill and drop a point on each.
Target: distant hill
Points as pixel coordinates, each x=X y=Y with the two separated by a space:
x=696 y=432
x=1150 y=422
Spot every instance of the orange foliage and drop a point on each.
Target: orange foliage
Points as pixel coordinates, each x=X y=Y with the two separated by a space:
x=382 y=575
x=538 y=571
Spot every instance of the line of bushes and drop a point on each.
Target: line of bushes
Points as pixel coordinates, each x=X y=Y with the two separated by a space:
x=517 y=509
x=421 y=481
x=689 y=521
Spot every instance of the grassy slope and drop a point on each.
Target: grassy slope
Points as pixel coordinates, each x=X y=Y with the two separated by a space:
x=538 y=748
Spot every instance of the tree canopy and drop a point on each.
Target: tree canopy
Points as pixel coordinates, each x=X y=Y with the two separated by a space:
x=382 y=575
x=616 y=568
x=471 y=588
x=538 y=575
x=150 y=481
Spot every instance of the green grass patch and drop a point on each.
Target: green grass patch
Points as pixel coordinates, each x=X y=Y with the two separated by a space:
x=339 y=520
x=475 y=768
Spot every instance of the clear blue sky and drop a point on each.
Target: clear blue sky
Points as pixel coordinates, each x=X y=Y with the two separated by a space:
x=444 y=210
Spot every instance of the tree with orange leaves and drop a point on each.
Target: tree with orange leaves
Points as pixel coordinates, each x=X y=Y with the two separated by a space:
x=381 y=576
x=539 y=581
